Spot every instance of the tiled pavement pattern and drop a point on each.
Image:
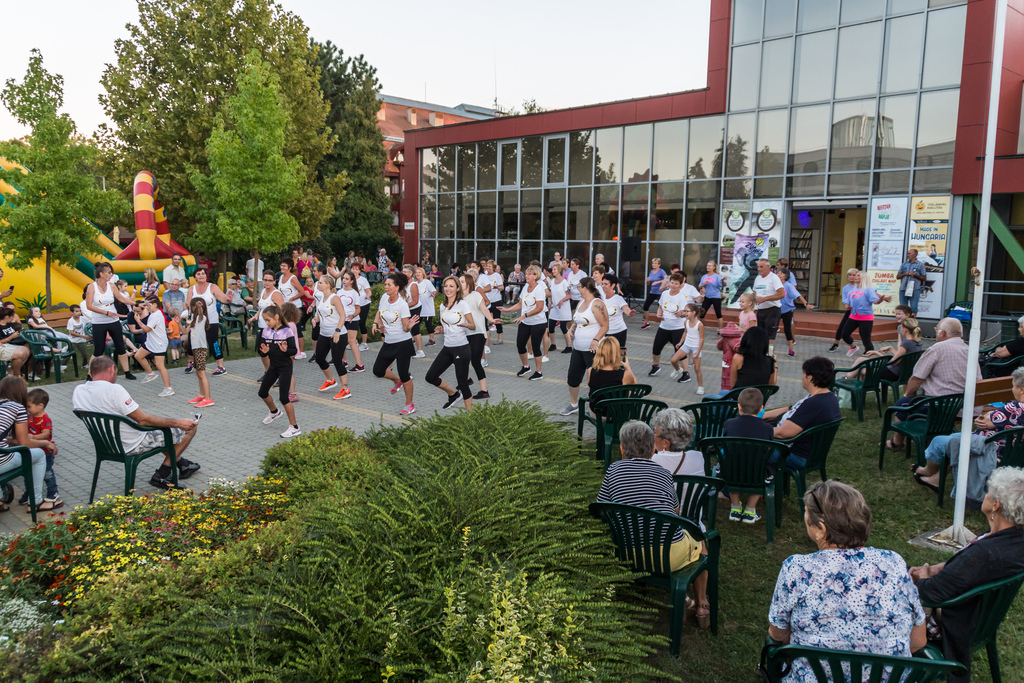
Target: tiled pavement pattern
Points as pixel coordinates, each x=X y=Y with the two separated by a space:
x=232 y=440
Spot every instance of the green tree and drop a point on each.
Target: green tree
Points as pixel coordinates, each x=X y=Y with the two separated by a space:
x=46 y=219
x=172 y=77
x=244 y=199
x=350 y=89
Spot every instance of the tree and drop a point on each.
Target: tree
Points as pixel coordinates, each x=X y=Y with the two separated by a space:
x=350 y=89
x=244 y=199
x=173 y=76
x=47 y=218
x=530 y=106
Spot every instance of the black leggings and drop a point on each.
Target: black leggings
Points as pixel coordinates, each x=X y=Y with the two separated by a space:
x=306 y=315
x=428 y=325
x=476 y=353
x=325 y=344
x=864 y=326
x=446 y=357
x=283 y=373
x=99 y=338
x=212 y=341
x=552 y=324
x=579 y=362
x=787 y=325
x=712 y=303
x=497 y=317
x=398 y=353
x=662 y=337
x=842 y=325
x=651 y=298
x=363 y=311
x=415 y=329
x=534 y=333
x=621 y=336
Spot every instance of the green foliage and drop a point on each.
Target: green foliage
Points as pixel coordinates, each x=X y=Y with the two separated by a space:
x=172 y=77
x=251 y=183
x=46 y=218
x=28 y=304
x=365 y=240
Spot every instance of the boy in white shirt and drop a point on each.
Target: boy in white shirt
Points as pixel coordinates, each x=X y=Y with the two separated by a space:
x=155 y=346
x=76 y=332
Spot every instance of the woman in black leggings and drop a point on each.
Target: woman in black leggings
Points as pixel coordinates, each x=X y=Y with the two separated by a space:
x=455 y=318
x=477 y=337
x=851 y=276
x=395 y=321
x=277 y=345
x=100 y=297
x=330 y=313
x=362 y=285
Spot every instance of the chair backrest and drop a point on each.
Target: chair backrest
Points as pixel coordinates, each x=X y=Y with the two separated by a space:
x=856 y=667
x=1013 y=446
x=36 y=340
x=942 y=412
x=994 y=601
x=767 y=391
x=821 y=438
x=743 y=462
x=709 y=418
x=105 y=430
x=906 y=364
x=873 y=371
x=619 y=411
x=643 y=537
x=698 y=497
x=619 y=391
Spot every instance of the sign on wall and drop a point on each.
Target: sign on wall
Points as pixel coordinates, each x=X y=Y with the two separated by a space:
x=887 y=231
x=748 y=237
x=929 y=230
x=886 y=284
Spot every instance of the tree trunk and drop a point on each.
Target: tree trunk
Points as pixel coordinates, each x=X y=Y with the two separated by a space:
x=222 y=268
x=49 y=303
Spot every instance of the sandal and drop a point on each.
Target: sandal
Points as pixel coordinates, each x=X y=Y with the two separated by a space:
x=56 y=502
x=41 y=508
x=704 y=620
x=922 y=482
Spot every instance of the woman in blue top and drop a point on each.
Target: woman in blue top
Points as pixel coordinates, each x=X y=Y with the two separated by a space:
x=851 y=276
x=711 y=287
x=789 y=302
x=862 y=299
x=654 y=279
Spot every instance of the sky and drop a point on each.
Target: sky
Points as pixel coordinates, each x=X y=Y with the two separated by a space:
x=560 y=53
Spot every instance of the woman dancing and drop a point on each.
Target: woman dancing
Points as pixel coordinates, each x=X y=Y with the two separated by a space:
x=394 y=321
x=329 y=312
x=455 y=318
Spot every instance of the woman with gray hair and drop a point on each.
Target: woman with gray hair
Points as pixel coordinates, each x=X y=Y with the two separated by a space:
x=996 y=555
x=638 y=480
x=673 y=430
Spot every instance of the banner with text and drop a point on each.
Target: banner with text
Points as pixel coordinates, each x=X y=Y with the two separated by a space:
x=887 y=233
x=929 y=229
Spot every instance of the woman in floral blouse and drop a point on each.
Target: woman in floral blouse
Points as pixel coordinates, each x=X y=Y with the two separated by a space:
x=846 y=596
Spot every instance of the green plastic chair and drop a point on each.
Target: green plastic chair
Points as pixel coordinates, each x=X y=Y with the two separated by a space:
x=234 y=324
x=859 y=388
x=1013 y=456
x=639 y=536
x=743 y=465
x=621 y=391
x=1009 y=364
x=906 y=364
x=619 y=411
x=767 y=391
x=994 y=601
x=698 y=497
x=44 y=349
x=709 y=418
x=832 y=665
x=24 y=471
x=105 y=430
x=966 y=324
x=921 y=429
x=821 y=437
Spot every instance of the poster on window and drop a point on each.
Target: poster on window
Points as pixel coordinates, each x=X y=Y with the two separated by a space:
x=885 y=283
x=929 y=229
x=742 y=269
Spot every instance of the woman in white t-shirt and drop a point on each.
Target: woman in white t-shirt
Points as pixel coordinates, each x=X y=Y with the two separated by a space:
x=618 y=309
x=477 y=337
x=456 y=319
x=412 y=294
x=532 y=323
x=560 y=314
x=427 y=292
x=210 y=294
x=270 y=296
x=589 y=326
x=394 y=321
x=155 y=346
x=329 y=312
x=353 y=317
x=291 y=290
x=670 y=319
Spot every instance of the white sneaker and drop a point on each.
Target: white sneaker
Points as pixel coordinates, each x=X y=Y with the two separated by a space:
x=529 y=356
x=675 y=374
x=150 y=377
x=483 y=363
x=300 y=356
x=724 y=364
x=168 y=391
x=364 y=347
x=853 y=350
x=700 y=391
x=545 y=359
x=420 y=354
x=272 y=416
x=290 y=432
x=487 y=349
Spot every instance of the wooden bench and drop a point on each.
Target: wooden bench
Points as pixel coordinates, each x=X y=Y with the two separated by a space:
x=995 y=390
x=57 y=318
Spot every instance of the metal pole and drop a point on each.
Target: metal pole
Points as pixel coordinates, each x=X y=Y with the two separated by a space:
x=957 y=534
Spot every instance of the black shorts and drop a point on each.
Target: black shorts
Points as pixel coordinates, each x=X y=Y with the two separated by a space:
x=579 y=363
x=352 y=325
x=398 y=353
x=154 y=354
x=415 y=329
x=621 y=336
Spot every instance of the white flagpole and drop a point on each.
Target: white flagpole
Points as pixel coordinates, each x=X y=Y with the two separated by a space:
x=957 y=534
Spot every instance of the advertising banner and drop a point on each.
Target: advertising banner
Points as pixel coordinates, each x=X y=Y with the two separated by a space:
x=747 y=249
x=929 y=230
x=886 y=284
x=887 y=232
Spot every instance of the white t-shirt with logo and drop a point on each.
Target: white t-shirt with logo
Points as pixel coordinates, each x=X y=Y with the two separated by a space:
x=473 y=301
x=454 y=335
x=616 y=322
x=672 y=310
x=391 y=314
x=156 y=338
x=530 y=301
x=427 y=291
x=690 y=292
x=768 y=286
x=99 y=396
x=558 y=291
x=362 y=284
x=574 y=283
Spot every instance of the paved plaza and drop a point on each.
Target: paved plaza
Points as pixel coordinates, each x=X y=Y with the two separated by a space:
x=232 y=440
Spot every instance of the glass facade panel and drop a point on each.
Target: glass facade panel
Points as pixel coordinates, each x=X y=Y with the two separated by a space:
x=746 y=20
x=670 y=149
x=554 y=215
x=853 y=132
x=702 y=210
x=508 y=215
x=668 y=252
x=608 y=152
x=861 y=10
x=487 y=165
x=779 y=17
x=529 y=220
x=891 y=182
x=944 y=47
x=445 y=254
x=486 y=215
x=738 y=188
x=768 y=188
x=706 y=147
x=936 y=128
x=446 y=215
x=805 y=186
x=815 y=56
x=943 y=3
x=901 y=6
x=933 y=180
x=580 y=250
x=636 y=157
x=770 y=149
x=428 y=170
x=428 y=217
x=696 y=257
x=581 y=157
x=509 y=176
x=808 y=139
x=896 y=122
x=815 y=14
x=532 y=167
x=579 y=213
x=606 y=213
x=506 y=253
x=845 y=184
x=745 y=63
x=634 y=210
x=465 y=216
x=860 y=49
x=741 y=145
x=556 y=160
x=528 y=251
x=446 y=169
x=466 y=179
x=667 y=212
x=902 y=65
x=776 y=69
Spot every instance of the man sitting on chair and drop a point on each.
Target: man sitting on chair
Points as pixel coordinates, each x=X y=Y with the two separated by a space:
x=104 y=395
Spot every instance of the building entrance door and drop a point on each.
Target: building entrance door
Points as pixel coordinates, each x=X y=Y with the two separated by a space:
x=823 y=244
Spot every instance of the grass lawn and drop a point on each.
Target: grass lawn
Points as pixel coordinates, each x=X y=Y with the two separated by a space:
x=749 y=568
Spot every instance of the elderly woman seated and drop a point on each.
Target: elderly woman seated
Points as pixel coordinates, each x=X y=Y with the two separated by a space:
x=638 y=480
x=818 y=407
x=947 y=448
x=673 y=431
x=999 y=554
x=847 y=595
x=1012 y=349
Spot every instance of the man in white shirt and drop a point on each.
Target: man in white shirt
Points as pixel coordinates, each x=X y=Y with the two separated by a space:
x=254 y=267
x=768 y=292
x=174 y=271
x=104 y=395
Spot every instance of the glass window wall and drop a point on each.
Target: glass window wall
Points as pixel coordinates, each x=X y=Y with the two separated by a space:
x=779 y=16
x=808 y=139
x=428 y=217
x=776 y=68
x=608 y=153
x=895 y=137
x=936 y=128
x=815 y=14
x=606 y=213
x=636 y=157
x=508 y=215
x=487 y=164
x=554 y=215
x=428 y=170
x=509 y=153
x=581 y=157
x=466 y=179
x=532 y=163
x=530 y=215
x=815 y=59
x=933 y=180
x=446 y=169
x=744 y=67
x=853 y=133
x=556 y=166
x=668 y=212
x=706 y=147
x=860 y=49
x=861 y=10
x=770 y=149
x=741 y=145
x=904 y=37
x=446 y=215
x=670 y=149
x=944 y=47
x=746 y=24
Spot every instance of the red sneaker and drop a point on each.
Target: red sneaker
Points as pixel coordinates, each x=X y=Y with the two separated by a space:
x=327 y=384
x=344 y=393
